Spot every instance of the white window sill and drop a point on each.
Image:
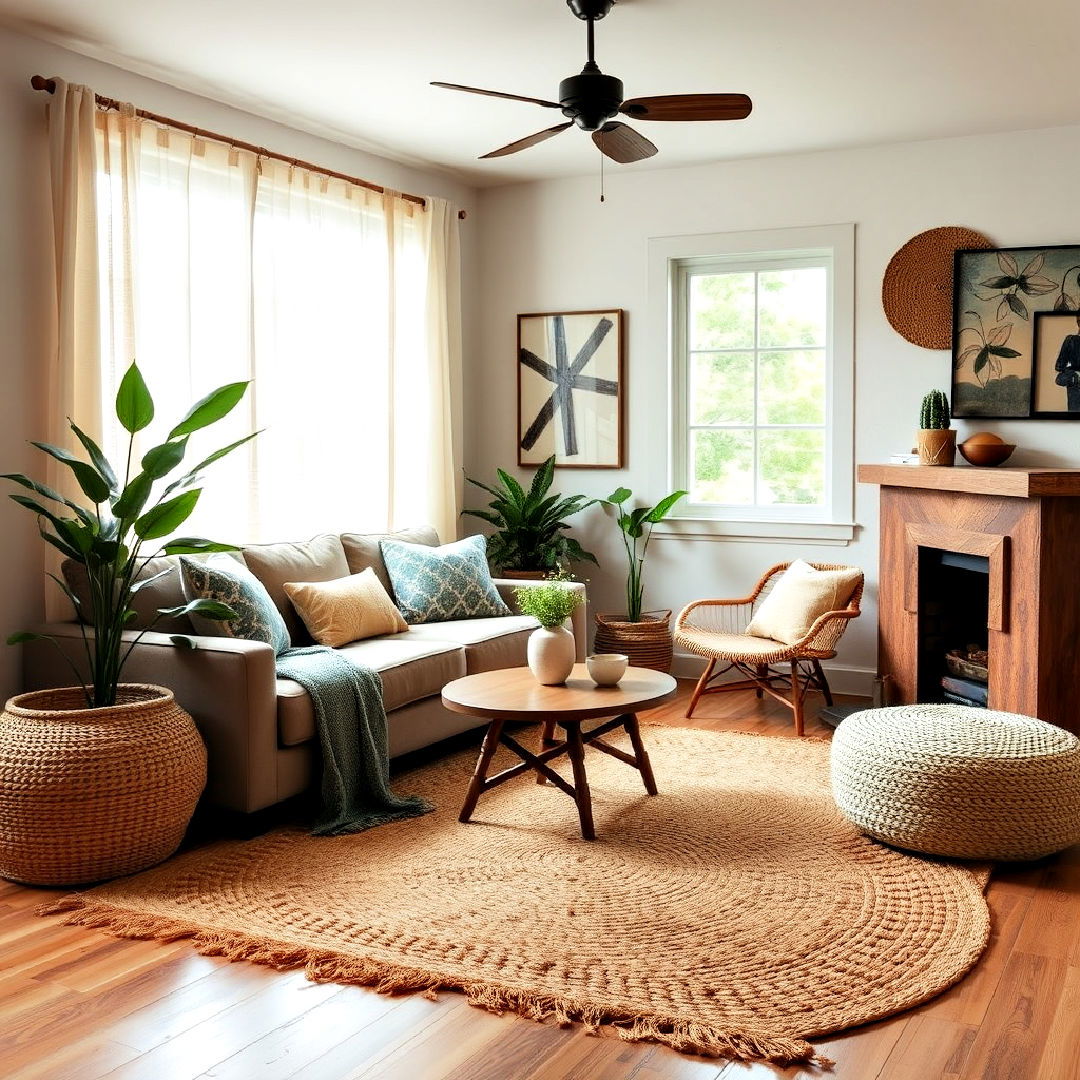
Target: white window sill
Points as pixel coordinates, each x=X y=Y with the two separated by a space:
x=836 y=534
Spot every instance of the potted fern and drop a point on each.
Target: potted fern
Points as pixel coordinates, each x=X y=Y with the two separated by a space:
x=530 y=538
x=101 y=778
x=644 y=636
x=936 y=439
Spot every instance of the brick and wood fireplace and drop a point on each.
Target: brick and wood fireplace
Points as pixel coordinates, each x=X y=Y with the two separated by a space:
x=986 y=559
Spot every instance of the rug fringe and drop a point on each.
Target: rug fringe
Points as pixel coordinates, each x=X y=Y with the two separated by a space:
x=321 y=966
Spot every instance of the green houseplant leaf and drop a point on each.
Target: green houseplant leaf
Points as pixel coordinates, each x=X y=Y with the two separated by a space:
x=134 y=405
x=107 y=538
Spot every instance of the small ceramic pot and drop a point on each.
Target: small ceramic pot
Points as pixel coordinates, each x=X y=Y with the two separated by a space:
x=937 y=446
x=606 y=669
x=551 y=654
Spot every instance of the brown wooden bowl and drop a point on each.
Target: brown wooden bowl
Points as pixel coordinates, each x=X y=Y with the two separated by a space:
x=985 y=454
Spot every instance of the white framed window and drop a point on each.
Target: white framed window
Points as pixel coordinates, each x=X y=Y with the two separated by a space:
x=760 y=345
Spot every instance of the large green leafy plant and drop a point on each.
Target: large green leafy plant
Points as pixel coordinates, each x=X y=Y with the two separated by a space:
x=111 y=534
x=636 y=527
x=531 y=526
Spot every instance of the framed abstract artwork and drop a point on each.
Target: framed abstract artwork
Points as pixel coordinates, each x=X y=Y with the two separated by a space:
x=1055 y=377
x=571 y=388
x=998 y=296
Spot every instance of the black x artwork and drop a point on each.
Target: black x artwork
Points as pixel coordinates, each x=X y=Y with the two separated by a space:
x=566 y=376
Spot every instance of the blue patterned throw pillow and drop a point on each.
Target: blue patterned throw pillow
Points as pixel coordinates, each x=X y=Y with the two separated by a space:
x=229 y=581
x=437 y=584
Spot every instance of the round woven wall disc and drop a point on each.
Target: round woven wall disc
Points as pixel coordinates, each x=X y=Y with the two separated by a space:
x=917 y=292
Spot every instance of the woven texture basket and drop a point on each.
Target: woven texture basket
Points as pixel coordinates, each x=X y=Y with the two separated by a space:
x=89 y=794
x=956 y=781
x=648 y=643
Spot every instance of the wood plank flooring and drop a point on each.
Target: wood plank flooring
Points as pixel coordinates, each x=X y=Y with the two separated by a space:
x=78 y=1005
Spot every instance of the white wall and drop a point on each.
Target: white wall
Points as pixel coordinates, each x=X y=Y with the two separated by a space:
x=552 y=246
x=25 y=267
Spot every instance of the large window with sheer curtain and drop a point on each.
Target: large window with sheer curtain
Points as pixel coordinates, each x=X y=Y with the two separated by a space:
x=214 y=266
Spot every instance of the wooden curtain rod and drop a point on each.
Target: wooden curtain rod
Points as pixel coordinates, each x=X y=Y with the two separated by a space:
x=39 y=82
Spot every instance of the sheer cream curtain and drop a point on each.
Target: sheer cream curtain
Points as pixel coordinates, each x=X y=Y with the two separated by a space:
x=208 y=265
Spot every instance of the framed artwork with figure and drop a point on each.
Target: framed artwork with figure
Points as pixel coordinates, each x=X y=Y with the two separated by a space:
x=571 y=386
x=1055 y=378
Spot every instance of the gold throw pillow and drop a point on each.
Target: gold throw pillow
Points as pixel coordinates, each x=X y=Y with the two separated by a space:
x=346 y=609
x=800 y=596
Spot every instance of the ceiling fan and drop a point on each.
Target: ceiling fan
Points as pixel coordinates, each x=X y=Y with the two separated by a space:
x=592 y=100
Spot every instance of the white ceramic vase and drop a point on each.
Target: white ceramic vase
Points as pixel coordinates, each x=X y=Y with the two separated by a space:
x=551 y=654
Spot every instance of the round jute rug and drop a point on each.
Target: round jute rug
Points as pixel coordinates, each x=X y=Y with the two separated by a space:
x=736 y=914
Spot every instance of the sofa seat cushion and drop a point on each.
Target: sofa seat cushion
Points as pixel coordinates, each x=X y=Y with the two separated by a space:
x=489 y=643
x=410 y=669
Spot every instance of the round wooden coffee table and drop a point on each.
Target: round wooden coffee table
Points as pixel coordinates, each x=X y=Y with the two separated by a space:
x=514 y=694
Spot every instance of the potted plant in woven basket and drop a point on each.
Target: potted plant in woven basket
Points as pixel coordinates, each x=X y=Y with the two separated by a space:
x=530 y=540
x=937 y=440
x=101 y=778
x=644 y=636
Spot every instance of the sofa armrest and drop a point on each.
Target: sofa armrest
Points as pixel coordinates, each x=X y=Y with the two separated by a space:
x=227 y=684
x=578 y=621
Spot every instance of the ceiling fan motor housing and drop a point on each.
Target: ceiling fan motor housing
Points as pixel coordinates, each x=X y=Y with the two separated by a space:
x=591 y=98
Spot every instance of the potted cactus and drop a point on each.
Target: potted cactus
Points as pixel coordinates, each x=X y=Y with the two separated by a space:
x=936 y=440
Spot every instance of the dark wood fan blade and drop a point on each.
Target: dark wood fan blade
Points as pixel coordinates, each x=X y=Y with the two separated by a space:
x=622 y=143
x=529 y=140
x=498 y=94
x=688 y=107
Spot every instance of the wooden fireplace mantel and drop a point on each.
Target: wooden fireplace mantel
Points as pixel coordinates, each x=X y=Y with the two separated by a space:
x=1013 y=483
x=1026 y=524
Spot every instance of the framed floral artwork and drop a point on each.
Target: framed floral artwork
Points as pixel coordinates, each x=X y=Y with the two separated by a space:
x=571 y=388
x=997 y=296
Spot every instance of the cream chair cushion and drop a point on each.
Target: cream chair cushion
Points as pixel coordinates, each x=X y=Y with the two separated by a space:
x=800 y=596
x=349 y=609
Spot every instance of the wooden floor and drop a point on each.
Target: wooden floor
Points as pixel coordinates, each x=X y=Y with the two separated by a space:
x=76 y=1004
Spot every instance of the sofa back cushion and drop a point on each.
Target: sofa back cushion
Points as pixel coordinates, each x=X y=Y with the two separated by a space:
x=166 y=592
x=362 y=549
x=320 y=559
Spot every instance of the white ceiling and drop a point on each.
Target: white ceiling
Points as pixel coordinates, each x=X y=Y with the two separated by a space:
x=822 y=73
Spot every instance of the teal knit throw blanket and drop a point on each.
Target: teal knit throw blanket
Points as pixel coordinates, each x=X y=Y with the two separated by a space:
x=351 y=724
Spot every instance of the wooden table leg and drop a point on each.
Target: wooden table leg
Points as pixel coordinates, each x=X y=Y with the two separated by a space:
x=643 y=763
x=576 y=752
x=476 y=784
x=547 y=741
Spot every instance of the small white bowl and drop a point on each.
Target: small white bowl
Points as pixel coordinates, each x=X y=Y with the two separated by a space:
x=606 y=669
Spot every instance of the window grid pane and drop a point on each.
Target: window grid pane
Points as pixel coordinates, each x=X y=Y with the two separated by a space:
x=787 y=460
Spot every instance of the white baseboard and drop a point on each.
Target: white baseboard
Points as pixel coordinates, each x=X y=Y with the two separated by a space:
x=843 y=680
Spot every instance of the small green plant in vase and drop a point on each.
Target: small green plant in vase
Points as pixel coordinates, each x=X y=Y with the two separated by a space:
x=644 y=636
x=936 y=439
x=551 y=648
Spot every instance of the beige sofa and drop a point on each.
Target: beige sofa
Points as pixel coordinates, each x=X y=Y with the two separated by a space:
x=259 y=729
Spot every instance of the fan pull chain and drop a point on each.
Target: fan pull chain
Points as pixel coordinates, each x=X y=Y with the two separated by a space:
x=603 y=136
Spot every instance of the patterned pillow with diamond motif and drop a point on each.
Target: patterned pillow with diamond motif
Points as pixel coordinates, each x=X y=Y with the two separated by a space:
x=437 y=584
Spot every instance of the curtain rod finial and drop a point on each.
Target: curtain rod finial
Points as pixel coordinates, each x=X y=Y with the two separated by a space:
x=39 y=82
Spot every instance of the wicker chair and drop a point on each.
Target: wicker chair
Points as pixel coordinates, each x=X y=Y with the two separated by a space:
x=715 y=629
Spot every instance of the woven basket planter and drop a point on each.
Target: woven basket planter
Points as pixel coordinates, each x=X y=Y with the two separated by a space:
x=89 y=794
x=648 y=643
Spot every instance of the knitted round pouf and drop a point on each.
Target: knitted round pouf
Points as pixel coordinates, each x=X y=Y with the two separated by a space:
x=958 y=781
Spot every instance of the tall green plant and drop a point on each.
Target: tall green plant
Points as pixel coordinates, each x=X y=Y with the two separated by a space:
x=530 y=525
x=108 y=535
x=636 y=527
